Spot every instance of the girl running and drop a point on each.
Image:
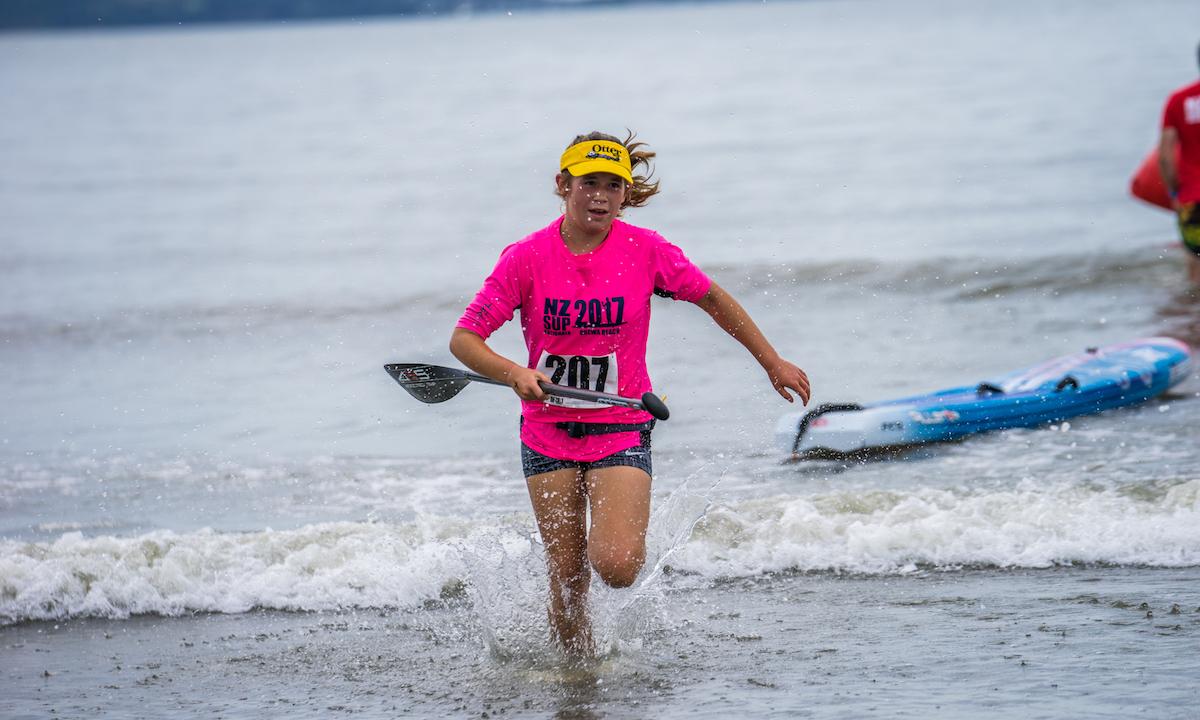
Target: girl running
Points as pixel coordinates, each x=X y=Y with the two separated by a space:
x=583 y=286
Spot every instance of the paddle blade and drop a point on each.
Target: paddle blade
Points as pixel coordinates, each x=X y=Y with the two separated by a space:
x=428 y=383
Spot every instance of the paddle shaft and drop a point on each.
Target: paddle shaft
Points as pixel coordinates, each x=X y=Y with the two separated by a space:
x=435 y=384
x=570 y=392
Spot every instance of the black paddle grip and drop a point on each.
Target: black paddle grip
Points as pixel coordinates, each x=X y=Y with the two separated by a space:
x=655 y=407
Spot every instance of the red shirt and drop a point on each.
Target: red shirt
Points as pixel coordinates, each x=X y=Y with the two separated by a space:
x=1183 y=113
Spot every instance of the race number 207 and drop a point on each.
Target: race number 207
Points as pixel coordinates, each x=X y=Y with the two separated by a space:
x=578 y=370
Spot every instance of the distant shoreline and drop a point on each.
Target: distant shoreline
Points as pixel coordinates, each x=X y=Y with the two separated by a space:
x=53 y=14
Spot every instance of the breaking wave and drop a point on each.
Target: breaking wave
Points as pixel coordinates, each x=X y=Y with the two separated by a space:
x=333 y=566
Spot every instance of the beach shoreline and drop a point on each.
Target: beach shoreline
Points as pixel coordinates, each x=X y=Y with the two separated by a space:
x=1096 y=641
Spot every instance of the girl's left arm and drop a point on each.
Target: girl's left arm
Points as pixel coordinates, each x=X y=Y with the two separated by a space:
x=733 y=319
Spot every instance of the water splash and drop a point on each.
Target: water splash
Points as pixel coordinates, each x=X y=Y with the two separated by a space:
x=507 y=585
x=507 y=582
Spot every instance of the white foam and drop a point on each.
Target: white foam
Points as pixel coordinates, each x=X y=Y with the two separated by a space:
x=317 y=567
x=1032 y=525
x=334 y=566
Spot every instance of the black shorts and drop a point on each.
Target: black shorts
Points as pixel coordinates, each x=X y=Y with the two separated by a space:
x=638 y=456
x=1189 y=226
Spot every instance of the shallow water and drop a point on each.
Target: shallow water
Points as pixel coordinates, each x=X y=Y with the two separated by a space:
x=1060 y=642
x=215 y=237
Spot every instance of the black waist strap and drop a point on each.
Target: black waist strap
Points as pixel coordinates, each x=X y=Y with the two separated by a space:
x=580 y=429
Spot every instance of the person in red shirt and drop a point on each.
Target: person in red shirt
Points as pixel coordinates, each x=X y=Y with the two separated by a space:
x=1181 y=126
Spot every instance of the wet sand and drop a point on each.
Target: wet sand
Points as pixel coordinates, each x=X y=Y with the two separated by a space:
x=1096 y=642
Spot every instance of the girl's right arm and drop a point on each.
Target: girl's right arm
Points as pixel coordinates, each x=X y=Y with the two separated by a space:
x=473 y=352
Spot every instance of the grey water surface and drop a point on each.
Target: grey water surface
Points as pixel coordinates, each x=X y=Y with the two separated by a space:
x=213 y=499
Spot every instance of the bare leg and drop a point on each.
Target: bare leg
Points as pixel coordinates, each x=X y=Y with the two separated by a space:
x=615 y=546
x=560 y=506
x=620 y=504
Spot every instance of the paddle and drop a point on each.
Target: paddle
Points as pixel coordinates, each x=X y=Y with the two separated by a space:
x=435 y=384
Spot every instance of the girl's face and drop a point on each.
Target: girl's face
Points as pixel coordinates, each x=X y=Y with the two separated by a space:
x=593 y=200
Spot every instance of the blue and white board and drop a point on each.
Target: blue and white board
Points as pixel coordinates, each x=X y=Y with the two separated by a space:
x=1088 y=382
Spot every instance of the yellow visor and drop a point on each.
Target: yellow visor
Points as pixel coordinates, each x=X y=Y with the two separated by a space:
x=597 y=156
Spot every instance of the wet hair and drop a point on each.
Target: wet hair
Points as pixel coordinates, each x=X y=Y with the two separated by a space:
x=642 y=189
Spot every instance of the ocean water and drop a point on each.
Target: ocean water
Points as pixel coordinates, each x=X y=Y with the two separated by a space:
x=213 y=499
